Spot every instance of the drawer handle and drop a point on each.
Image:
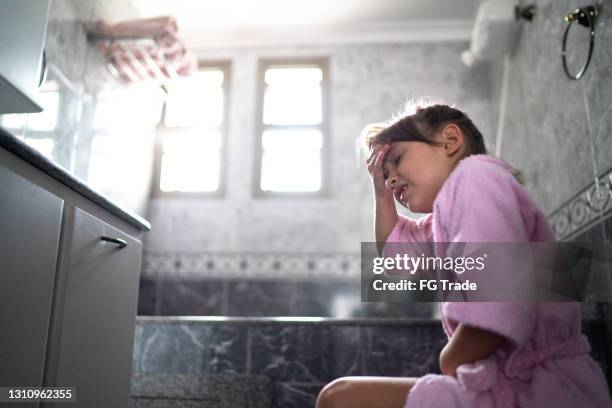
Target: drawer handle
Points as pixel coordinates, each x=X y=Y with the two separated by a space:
x=122 y=243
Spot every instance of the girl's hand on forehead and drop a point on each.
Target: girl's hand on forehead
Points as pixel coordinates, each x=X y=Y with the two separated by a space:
x=375 y=168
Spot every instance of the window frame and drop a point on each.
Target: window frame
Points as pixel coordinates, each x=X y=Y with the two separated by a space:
x=294 y=62
x=161 y=129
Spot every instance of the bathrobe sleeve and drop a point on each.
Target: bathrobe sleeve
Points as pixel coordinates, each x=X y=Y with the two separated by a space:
x=480 y=206
x=408 y=237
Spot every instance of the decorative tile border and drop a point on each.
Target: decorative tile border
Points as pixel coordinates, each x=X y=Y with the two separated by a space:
x=252 y=265
x=583 y=209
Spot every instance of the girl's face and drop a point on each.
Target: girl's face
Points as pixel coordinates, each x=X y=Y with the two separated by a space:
x=415 y=172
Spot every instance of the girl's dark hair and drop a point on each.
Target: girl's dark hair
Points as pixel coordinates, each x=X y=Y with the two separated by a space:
x=423 y=125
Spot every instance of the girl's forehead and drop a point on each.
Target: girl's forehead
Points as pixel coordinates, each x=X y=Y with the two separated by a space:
x=395 y=147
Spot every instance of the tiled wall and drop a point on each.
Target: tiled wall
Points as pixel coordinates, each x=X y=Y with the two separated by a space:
x=173 y=296
x=558 y=131
x=252 y=284
x=270 y=364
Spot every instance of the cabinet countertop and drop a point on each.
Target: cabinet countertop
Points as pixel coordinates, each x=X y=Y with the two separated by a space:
x=32 y=156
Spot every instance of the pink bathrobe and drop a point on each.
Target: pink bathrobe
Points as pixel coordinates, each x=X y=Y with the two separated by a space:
x=547 y=363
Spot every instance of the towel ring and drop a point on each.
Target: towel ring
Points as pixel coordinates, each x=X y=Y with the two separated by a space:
x=585 y=16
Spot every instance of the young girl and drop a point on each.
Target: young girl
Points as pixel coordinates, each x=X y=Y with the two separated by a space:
x=499 y=354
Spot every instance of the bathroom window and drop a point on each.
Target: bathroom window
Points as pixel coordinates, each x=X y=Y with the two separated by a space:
x=190 y=136
x=292 y=132
x=124 y=121
x=38 y=129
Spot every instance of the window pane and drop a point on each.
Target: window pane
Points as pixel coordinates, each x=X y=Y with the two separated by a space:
x=112 y=155
x=292 y=96
x=291 y=160
x=287 y=171
x=196 y=100
x=191 y=161
x=136 y=106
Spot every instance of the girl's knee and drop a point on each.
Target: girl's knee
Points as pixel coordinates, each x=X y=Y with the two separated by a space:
x=335 y=394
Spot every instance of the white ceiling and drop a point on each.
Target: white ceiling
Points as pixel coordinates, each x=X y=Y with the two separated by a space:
x=222 y=23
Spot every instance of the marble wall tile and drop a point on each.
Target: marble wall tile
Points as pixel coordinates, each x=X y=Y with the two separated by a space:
x=402 y=351
x=168 y=296
x=596 y=332
x=606 y=311
x=291 y=353
x=190 y=297
x=260 y=298
x=147 y=296
x=286 y=352
x=287 y=395
x=592 y=278
x=557 y=130
x=192 y=349
x=398 y=309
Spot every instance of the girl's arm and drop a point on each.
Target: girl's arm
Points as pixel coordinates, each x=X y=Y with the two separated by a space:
x=385 y=219
x=467 y=345
x=385 y=212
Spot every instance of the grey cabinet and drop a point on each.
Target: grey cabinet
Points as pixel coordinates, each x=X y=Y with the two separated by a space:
x=30 y=221
x=91 y=345
x=23 y=26
x=69 y=272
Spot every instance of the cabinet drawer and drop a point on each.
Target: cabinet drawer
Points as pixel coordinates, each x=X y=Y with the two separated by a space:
x=92 y=346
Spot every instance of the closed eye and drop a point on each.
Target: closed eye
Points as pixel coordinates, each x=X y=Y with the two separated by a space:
x=397 y=160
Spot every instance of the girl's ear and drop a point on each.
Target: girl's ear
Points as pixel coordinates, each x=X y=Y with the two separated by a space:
x=452 y=138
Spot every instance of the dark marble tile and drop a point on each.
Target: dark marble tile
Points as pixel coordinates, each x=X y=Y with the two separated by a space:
x=172 y=349
x=192 y=297
x=594 y=276
x=288 y=395
x=260 y=298
x=594 y=233
x=606 y=313
x=596 y=334
x=192 y=349
x=305 y=353
x=402 y=351
x=228 y=349
x=345 y=353
x=147 y=296
x=607 y=223
x=398 y=309
x=340 y=299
